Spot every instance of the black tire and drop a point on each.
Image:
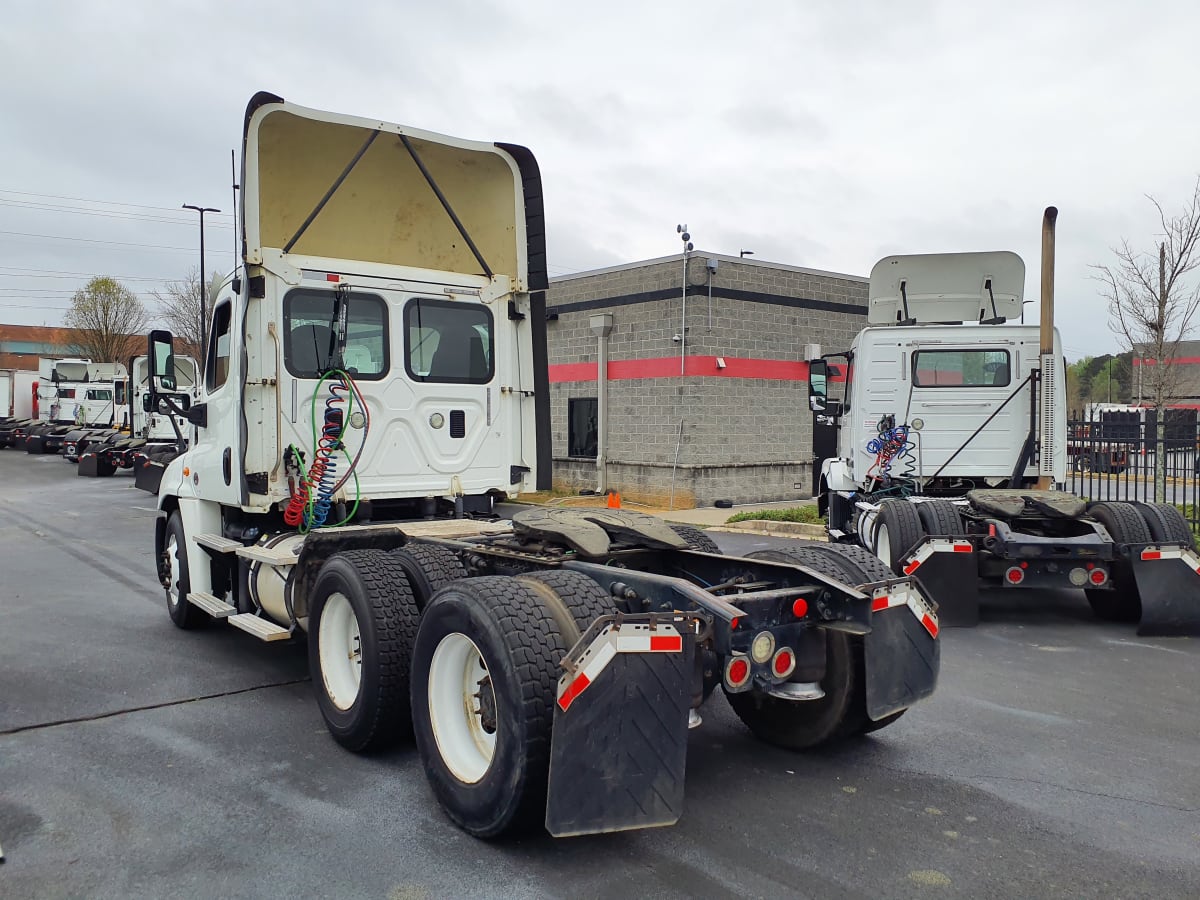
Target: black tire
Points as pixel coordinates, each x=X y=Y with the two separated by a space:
x=856 y=565
x=521 y=644
x=430 y=567
x=184 y=614
x=1167 y=524
x=696 y=539
x=803 y=724
x=1126 y=526
x=386 y=615
x=899 y=521
x=940 y=518
x=583 y=600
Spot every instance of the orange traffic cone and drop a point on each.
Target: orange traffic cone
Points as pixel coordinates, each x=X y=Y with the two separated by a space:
x=614 y=500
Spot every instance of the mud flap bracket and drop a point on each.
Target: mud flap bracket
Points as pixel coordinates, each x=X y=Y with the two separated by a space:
x=619 y=748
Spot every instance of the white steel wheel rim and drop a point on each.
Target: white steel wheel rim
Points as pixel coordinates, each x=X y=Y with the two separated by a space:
x=883 y=544
x=173 y=597
x=339 y=643
x=458 y=708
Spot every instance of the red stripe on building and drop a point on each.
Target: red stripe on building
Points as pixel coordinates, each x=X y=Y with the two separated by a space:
x=669 y=367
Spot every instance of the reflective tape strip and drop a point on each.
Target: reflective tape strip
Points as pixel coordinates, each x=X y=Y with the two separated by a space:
x=935 y=545
x=906 y=595
x=636 y=638
x=1189 y=557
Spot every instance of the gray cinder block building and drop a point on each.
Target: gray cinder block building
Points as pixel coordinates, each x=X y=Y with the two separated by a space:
x=704 y=403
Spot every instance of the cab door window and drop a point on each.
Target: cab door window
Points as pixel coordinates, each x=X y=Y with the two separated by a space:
x=216 y=371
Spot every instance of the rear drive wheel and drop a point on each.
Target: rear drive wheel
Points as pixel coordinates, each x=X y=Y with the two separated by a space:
x=898 y=528
x=696 y=539
x=940 y=518
x=801 y=724
x=175 y=565
x=1125 y=525
x=430 y=567
x=361 y=625
x=485 y=670
x=1167 y=524
x=583 y=600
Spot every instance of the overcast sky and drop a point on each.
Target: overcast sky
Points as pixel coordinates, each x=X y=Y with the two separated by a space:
x=816 y=134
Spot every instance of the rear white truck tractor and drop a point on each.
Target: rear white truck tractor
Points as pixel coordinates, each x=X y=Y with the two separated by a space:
x=375 y=380
x=946 y=455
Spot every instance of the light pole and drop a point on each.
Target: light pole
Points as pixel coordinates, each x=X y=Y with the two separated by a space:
x=203 y=312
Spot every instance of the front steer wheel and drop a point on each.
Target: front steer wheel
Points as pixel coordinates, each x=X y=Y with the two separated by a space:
x=361 y=628
x=179 y=583
x=485 y=669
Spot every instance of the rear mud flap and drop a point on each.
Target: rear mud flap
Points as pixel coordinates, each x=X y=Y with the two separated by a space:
x=148 y=476
x=1168 y=584
x=93 y=465
x=948 y=572
x=901 y=655
x=619 y=749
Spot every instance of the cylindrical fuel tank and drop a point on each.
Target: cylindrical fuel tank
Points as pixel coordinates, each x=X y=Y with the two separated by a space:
x=268 y=583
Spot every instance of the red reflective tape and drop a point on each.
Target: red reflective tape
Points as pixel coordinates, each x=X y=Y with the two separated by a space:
x=574 y=690
x=930 y=625
x=666 y=643
x=912 y=567
x=1151 y=554
x=880 y=603
x=329 y=276
x=963 y=548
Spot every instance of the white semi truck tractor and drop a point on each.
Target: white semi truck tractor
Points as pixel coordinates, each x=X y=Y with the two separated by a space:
x=947 y=452
x=375 y=380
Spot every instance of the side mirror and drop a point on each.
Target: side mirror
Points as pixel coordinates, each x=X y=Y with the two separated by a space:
x=161 y=353
x=818 y=385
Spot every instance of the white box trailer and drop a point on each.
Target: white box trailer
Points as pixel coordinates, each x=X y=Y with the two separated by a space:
x=25 y=384
x=7 y=386
x=379 y=362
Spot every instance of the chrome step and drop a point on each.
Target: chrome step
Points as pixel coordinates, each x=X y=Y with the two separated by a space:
x=268 y=555
x=218 y=543
x=263 y=629
x=214 y=606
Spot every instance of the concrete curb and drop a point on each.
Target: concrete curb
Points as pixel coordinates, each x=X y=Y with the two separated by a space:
x=774 y=529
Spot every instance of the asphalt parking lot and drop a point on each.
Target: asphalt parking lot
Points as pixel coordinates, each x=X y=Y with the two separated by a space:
x=1060 y=757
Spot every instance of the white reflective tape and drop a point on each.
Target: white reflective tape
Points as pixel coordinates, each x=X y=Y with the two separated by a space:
x=631 y=638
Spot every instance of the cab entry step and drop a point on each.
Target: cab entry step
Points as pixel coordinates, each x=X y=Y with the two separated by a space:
x=261 y=628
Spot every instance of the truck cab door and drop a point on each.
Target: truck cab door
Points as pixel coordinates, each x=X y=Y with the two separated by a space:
x=216 y=460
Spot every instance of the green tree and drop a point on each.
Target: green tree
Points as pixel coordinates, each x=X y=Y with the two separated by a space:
x=109 y=321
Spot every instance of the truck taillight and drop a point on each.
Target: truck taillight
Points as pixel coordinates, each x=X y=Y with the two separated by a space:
x=1098 y=576
x=1015 y=575
x=784 y=662
x=737 y=671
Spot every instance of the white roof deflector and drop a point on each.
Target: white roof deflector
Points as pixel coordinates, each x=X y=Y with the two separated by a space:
x=946 y=287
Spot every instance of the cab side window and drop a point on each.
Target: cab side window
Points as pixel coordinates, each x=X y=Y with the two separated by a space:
x=216 y=371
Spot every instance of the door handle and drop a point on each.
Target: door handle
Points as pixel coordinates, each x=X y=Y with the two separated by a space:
x=227 y=465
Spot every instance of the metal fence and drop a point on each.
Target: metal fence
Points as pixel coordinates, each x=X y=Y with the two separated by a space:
x=1119 y=455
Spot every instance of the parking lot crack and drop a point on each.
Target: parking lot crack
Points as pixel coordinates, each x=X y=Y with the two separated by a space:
x=111 y=714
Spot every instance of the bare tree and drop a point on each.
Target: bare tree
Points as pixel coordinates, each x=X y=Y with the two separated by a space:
x=1151 y=307
x=180 y=302
x=109 y=320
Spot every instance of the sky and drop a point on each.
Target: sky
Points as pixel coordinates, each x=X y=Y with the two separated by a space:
x=817 y=134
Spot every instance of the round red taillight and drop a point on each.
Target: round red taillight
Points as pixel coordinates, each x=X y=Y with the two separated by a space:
x=800 y=608
x=738 y=672
x=784 y=663
x=1099 y=576
x=1014 y=575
